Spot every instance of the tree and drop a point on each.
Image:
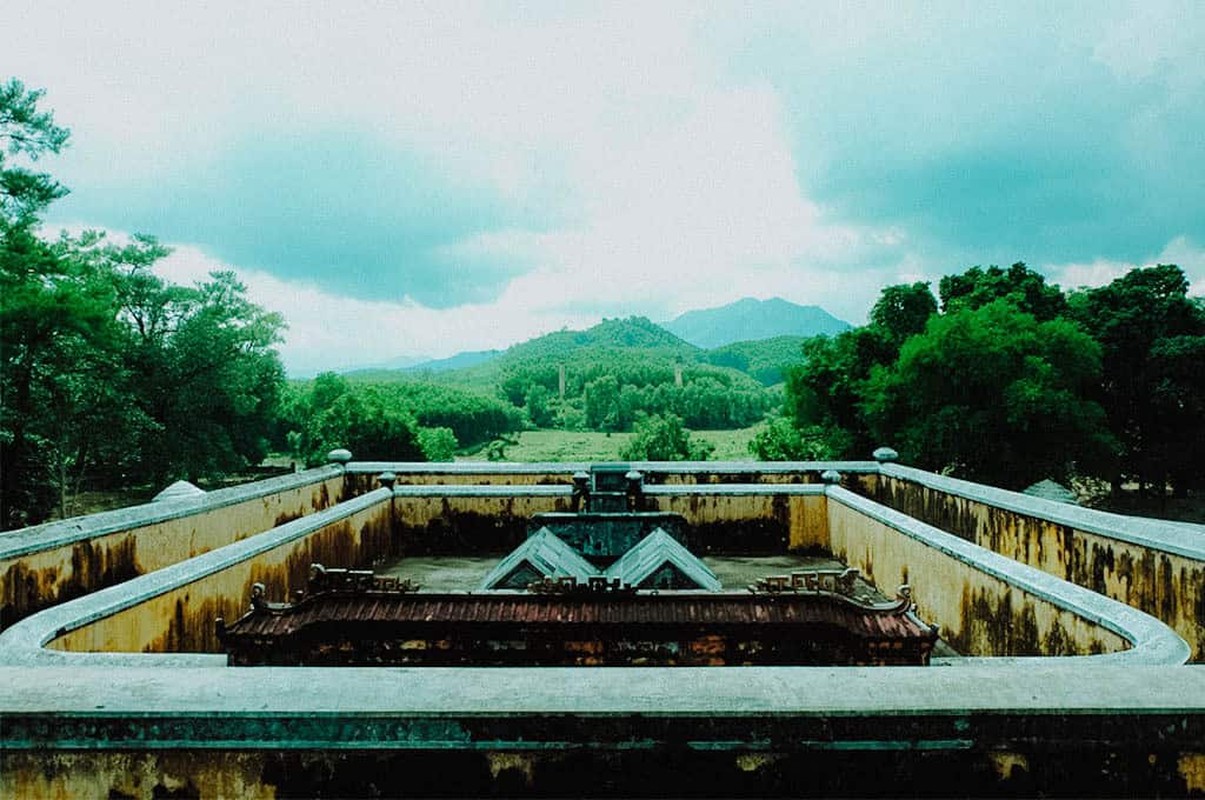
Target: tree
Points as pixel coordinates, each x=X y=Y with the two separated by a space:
x=782 y=440
x=538 y=402
x=1150 y=332
x=107 y=372
x=26 y=133
x=602 y=403
x=663 y=438
x=993 y=395
x=902 y=311
x=825 y=392
x=50 y=312
x=437 y=444
x=1024 y=288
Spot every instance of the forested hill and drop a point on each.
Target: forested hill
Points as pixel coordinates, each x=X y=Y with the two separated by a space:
x=626 y=345
x=751 y=319
x=614 y=373
x=623 y=344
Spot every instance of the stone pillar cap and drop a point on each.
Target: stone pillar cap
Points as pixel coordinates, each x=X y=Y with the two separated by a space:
x=884 y=454
x=339 y=455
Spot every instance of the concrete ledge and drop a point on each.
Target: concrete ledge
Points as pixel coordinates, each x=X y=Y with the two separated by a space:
x=564 y=490
x=25 y=642
x=569 y=467
x=14 y=544
x=1153 y=642
x=1180 y=538
x=540 y=708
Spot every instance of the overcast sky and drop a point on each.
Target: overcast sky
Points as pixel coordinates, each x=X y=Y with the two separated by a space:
x=428 y=178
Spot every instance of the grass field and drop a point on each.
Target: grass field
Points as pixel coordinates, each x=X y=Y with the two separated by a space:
x=593 y=446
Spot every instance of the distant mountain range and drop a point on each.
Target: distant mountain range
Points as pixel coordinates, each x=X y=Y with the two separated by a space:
x=752 y=320
x=755 y=337
x=459 y=361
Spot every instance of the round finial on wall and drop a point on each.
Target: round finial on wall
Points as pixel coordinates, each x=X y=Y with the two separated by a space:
x=885 y=454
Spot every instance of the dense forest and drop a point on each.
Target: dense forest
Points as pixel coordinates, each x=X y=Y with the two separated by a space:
x=1004 y=378
x=112 y=377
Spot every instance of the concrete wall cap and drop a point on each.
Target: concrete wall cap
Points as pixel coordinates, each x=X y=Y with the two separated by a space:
x=1181 y=538
x=1152 y=641
x=567 y=468
x=885 y=454
x=14 y=544
x=25 y=641
x=340 y=455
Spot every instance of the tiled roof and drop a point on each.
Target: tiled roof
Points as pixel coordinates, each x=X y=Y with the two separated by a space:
x=544 y=554
x=655 y=551
x=707 y=611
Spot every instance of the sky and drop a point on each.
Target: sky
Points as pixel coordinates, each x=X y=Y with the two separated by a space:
x=419 y=179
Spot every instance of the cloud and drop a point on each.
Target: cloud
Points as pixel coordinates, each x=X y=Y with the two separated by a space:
x=998 y=131
x=1180 y=251
x=449 y=176
x=331 y=332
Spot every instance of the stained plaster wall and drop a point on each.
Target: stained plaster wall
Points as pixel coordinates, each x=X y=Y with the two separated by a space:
x=980 y=613
x=465 y=473
x=1145 y=564
x=363 y=474
x=182 y=618
x=49 y=564
x=746 y=519
x=463 y=520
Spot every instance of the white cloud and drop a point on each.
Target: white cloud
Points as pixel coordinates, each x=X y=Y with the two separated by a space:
x=328 y=331
x=1180 y=251
x=653 y=157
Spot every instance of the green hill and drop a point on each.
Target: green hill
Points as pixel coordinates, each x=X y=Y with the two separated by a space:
x=616 y=371
x=751 y=319
x=764 y=360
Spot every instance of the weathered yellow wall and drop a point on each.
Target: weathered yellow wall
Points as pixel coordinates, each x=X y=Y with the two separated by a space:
x=802 y=519
x=1164 y=585
x=362 y=482
x=979 y=614
x=139 y=776
x=42 y=579
x=556 y=478
x=468 y=524
x=182 y=620
x=703 y=477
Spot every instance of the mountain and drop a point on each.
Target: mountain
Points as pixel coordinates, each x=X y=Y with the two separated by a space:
x=751 y=319
x=397 y=363
x=610 y=343
x=629 y=333
x=459 y=361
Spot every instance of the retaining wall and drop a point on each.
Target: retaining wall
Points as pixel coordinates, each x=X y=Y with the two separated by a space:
x=48 y=564
x=1155 y=566
x=174 y=610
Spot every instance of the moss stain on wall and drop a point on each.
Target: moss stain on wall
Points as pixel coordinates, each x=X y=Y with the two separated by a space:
x=1165 y=585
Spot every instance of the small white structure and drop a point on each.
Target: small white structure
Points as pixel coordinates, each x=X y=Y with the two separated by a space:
x=178 y=490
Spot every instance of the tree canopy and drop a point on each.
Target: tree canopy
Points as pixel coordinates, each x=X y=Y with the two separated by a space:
x=108 y=373
x=1010 y=380
x=994 y=394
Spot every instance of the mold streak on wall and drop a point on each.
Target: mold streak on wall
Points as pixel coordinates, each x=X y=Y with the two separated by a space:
x=182 y=619
x=748 y=524
x=1165 y=585
x=42 y=578
x=979 y=614
x=439 y=524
